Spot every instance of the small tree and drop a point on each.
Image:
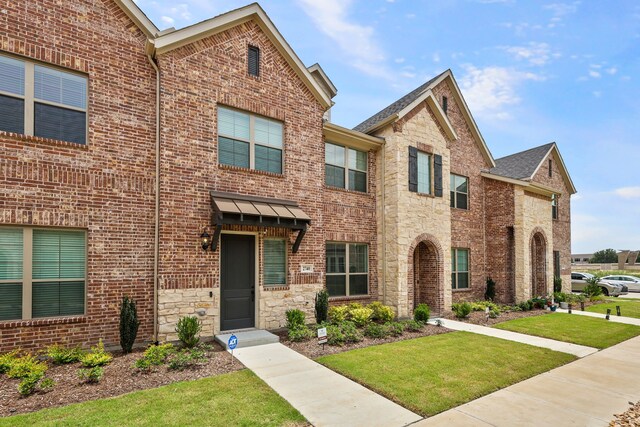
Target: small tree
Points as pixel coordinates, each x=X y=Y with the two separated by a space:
x=490 y=293
x=605 y=256
x=322 y=306
x=557 y=284
x=129 y=324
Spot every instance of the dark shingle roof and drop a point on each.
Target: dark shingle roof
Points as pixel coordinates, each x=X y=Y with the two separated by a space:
x=523 y=164
x=397 y=106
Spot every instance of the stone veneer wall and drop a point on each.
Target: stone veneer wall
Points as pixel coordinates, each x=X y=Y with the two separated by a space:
x=532 y=214
x=409 y=215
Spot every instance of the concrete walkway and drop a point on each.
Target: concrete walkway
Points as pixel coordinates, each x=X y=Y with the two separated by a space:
x=322 y=396
x=612 y=318
x=564 y=347
x=587 y=392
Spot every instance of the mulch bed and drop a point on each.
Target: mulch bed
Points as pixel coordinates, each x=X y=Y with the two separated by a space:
x=629 y=418
x=480 y=317
x=312 y=349
x=119 y=378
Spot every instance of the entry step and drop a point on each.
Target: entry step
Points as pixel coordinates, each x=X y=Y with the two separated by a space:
x=248 y=338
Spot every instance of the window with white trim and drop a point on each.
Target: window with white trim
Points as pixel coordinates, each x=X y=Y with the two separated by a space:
x=347 y=269
x=424 y=173
x=275 y=262
x=459 y=192
x=345 y=167
x=42 y=101
x=249 y=141
x=42 y=273
x=459 y=268
x=554 y=206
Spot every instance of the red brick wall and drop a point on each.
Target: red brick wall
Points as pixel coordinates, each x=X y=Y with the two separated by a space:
x=105 y=187
x=467 y=226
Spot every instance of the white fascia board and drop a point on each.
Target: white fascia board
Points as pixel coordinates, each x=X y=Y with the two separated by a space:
x=138 y=17
x=527 y=185
x=563 y=168
x=327 y=80
x=351 y=138
x=184 y=36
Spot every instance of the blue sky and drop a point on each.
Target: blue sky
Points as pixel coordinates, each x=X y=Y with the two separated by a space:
x=531 y=71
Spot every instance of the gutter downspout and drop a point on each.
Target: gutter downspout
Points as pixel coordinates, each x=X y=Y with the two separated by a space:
x=156 y=244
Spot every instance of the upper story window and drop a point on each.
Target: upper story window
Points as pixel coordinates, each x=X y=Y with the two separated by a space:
x=445 y=104
x=42 y=273
x=550 y=168
x=345 y=167
x=459 y=192
x=420 y=175
x=554 y=206
x=42 y=101
x=249 y=141
x=253 y=61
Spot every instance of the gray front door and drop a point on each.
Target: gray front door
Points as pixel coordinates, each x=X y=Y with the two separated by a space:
x=237 y=282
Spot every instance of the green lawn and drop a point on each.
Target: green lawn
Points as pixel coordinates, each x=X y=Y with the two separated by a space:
x=573 y=328
x=432 y=374
x=238 y=399
x=628 y=307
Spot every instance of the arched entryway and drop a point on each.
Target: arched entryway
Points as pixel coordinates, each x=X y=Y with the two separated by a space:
x=426 y=274
x=538 y=264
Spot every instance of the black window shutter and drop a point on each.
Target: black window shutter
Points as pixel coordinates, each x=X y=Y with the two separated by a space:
x=413 y=169
x=437 y=175
x=254 y=61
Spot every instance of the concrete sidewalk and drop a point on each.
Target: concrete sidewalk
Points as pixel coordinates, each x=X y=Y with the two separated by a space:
x=322 y=396
x=612 y=318
x=564 y=347
x=587 y=392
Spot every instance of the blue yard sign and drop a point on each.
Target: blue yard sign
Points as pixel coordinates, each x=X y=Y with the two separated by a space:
x=233 y=342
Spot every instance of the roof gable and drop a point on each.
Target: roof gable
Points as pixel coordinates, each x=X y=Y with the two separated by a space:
x=138 y=17
x=405 y=104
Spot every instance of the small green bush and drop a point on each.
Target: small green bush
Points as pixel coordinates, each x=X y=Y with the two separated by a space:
x=461 y=309
x=300 y=333
x=494 y=314
x=295 y=318
x=557 y=284
x=413 y=325
x=322 y=306
x=187 y=358
x=381 y=313
x=96 y=357
x=26 y=366
x=421 y=313
x=559 y=297
x=129 y=324
x=47 y=384
x=354 y=306
x=376 y=331
x=335 y=335
x=188 y=330
x=490 y=293
x=592 y=289
x=351 y=332
x=360 y=316
x=338 y=313
x=154 y=355
x=395 y=328
x=29 y=383
x=62 y=355
x=91 y=375
x=7 y=360
x=596 y=298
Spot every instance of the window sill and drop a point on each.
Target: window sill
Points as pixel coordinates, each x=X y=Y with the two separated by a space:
x=344 y=190
x=461 y=290
x=460 y=209
x=9 y=324
x=40 y=140
x=269 y=288
x=253 y=171
x=427 y=195
x=349 y=298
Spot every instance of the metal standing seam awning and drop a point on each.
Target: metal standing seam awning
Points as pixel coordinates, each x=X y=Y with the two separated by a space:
x=238 y=209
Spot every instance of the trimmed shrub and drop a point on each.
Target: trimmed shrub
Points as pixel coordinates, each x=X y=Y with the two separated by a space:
x=395 y=328
x=421 y=313
x=354 y=306
x=187 y=358
x=129 y=324
x=335 y=335
x=29 y=383
x=62 y=355
x=7 y=360
x=96 y=357
x=300 y=333
x=461 y=309
x=413 y=325
x=376 y=331
x=91 y=375
x=559 y=297
x=47 y=384
x=557 y=284
x=592 y=289
x=490 y=293
x=25 y=366
x=351 y=332
x=322 y=306
x=295 y=318
x=381 y=313
x=188 y=330
x=155 y=355
x=360 y=316
x=338 y=314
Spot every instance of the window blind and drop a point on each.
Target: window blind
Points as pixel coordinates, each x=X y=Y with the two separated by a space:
x=275 y=260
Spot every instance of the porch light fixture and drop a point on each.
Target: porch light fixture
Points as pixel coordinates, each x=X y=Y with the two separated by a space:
x=205 y=239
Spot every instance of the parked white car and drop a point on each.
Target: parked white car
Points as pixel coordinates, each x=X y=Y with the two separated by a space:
x=579 y=282
x=631 y=282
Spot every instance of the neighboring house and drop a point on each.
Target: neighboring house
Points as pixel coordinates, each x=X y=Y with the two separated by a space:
x=196 y=171
x=581 y=258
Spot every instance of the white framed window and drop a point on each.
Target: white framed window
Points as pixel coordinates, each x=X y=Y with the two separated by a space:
x=347 y=269
x=345 y=167
x=459 y=268
x=554 y=206
x=249 y=141
x=459 y=192
x=42 y=101
x=424 y=173
x=275 y=262
x=42 y=272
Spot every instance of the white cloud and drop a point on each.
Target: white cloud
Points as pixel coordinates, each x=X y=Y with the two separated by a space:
x=436 y=57
x=597 y=93
x=167 y=20
x=559 y=11
x=355 y=40
x=490 y=90
x=538 y=54
x=612 y=70
x=595 y=74
x=628 y=192
x=399 y=60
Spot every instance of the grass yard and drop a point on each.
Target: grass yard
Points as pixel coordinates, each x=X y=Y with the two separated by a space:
x=238 y=398
x=573 y=328
x=628 y=307
x=432 y=374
